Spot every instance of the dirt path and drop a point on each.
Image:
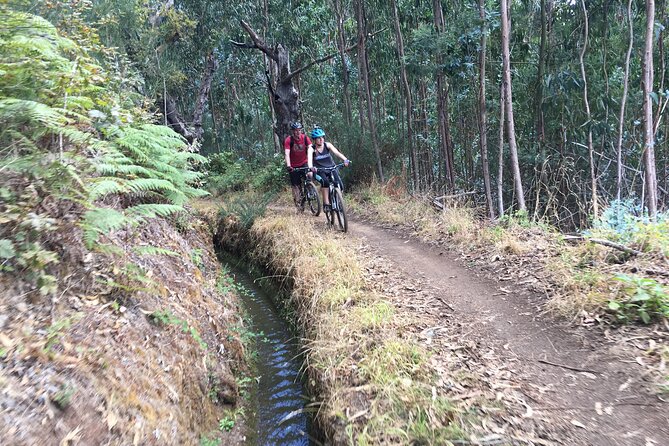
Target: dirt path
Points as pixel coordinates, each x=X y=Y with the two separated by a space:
x=578 y=391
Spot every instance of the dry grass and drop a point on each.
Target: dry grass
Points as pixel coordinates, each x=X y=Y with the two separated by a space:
x=374 y=382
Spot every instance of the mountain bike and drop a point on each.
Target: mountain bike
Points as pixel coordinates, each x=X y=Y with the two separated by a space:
x=336 y=216
x=309 y=194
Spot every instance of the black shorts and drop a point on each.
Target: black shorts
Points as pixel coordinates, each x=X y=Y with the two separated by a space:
x=323 y=177
x=296 y=176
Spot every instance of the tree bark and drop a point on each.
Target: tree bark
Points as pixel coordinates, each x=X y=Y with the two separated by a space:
x=348 y=113
x=174 y=120
x=483 y=112
x=500 y=165
x=648 y=127
x=203 y=93
x=445 y=146
x=366 y=82
x=623 y=102
x=591 y=149
x=406 y=89
x=508 y=103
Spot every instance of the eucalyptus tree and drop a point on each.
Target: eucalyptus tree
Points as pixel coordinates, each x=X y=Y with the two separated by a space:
x=483 y=112
x=508 y=105
x=648 y=127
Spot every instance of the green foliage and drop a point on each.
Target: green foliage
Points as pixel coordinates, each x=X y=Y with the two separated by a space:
x=226 y=424
x=57 y=328
x=626 y=223
x=63 y=397
x=247 y=208
x=165 y=317
x=206 y=441
x=640 y=298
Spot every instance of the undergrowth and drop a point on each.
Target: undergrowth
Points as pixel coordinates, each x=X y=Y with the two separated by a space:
x=352 y=340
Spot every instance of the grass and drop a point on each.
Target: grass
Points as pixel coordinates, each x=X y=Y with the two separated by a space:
x=354 y=346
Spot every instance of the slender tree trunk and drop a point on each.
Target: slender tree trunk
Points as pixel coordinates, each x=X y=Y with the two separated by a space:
x=205 y=85
x=365 y=79
x=591 y=150
x=508 y=100
x=648 y=127
x=539 y=86
x=406 y=90
x=361 y=65
x=339 y=10
x=500 y=165
x=623 y=102
x=483 y=113
x=442 y=103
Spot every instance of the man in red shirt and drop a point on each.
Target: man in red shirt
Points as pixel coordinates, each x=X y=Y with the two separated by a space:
x=295 y=148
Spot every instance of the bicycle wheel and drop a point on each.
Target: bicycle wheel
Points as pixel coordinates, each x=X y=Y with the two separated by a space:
x=329 y=215
x=339 y=211
x=312 y=198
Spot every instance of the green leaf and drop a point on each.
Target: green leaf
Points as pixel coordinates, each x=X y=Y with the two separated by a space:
x=7 y=250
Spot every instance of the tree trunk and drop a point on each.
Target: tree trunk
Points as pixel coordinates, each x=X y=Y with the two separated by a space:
x=623 y=102
x=648 y=127
x=445 y=146
x=174 y=120
x=539 y=87
x=508 y=102
x=202 y=95
x=339 y=11
x=500 y=165
x=406 y=90
x=483 y=113
x=366 y=82
x=591 y=150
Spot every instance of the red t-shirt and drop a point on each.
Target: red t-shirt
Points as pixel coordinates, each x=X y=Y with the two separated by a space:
x=298 y=153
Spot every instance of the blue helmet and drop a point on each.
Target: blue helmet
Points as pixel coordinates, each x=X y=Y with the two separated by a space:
x=317 y=132
x=295 y=125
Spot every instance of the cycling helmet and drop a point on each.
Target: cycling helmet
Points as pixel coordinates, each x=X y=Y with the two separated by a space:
x=295 y=125
x=317 y=132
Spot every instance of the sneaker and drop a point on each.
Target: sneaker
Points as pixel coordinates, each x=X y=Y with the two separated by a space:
x=327 y=208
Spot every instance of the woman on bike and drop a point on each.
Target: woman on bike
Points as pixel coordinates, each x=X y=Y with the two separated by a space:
x=319 y=155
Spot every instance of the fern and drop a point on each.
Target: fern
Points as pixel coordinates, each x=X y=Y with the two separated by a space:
x=100 y=221
x=154 y=250
x=143 y=211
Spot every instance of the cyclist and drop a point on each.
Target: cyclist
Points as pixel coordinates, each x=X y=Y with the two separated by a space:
x=295 y=149
x=319 y=155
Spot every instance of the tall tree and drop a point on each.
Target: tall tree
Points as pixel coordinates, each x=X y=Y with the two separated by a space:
x=483 y=113
x=443 y=119
x=648 y=127
x=365 y=79
x=588 y=114
x=508 y=103
x=623 y=103
x=406 y=91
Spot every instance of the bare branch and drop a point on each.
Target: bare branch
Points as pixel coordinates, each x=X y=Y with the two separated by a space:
x=324 y=58
x=259 y=43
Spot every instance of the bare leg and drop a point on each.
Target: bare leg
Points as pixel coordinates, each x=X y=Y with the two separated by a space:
x=297 y=195
x=324 y=194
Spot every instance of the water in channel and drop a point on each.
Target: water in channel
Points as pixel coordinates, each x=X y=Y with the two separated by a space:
x=280 y=398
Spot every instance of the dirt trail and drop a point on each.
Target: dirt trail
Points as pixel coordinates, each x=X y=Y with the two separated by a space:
x=570 y=378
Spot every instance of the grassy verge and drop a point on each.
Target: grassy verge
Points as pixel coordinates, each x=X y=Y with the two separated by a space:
x=372 y=375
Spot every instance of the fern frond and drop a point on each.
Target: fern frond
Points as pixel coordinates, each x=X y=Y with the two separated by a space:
x=150 y=184
x=154 y=250
x=106 y=186
x=144 y=211
x=101 y=221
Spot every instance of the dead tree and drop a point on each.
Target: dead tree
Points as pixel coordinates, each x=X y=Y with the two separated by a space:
x=283 y=91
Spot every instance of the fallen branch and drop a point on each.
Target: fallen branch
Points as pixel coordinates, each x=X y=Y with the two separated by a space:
x=568 y=367
x=618 y=246
x=609 y=243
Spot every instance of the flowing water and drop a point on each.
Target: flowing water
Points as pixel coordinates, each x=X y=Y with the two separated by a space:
x=280 y=398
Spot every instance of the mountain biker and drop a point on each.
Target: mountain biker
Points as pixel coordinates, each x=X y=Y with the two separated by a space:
x=319 y=155
x=295 y=149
